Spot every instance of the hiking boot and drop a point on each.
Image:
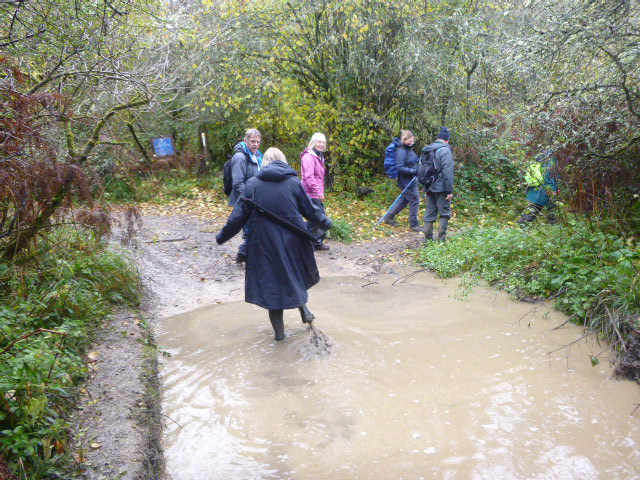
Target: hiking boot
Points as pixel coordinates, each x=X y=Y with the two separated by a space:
x=241 y=258
x=417 y=228
x=321 y=246
x=390 y=221
x=306 y=315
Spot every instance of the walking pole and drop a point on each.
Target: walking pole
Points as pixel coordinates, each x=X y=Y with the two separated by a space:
x=396 y=201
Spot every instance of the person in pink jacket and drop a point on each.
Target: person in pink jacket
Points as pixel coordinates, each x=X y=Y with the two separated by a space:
x=313 y=170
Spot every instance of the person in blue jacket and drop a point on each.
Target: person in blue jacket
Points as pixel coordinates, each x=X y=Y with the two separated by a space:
x=542 y=187
x=245 y=163
x=280 y=265
x=407 y=166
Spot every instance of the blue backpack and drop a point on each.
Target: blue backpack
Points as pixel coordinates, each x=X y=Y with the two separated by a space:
x=390 y=159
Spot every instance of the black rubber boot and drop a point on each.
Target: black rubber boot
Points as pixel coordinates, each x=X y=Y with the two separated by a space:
x=442 y=229
x=428 y=231
x=277 y=322
x=306 y=315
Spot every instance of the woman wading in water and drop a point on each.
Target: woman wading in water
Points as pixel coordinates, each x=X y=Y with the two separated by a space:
x=281 y=265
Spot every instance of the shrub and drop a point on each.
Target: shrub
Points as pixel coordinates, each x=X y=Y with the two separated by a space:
x=50 y=309
x=341 y=231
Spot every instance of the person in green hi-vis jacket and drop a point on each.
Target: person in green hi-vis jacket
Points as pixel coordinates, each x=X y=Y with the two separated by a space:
x=542 y=187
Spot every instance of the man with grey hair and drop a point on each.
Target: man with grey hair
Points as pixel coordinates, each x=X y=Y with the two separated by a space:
x=245 y=163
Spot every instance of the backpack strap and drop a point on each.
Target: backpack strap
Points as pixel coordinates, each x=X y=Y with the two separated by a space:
x=247 y=163
x=426 y=151
x=279 y=220
x=438 y=170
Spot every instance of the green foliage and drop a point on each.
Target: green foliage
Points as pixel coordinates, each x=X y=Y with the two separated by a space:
x=121 y=189
x=591 y=275
x=357 y=71
x=341 y=231
x=161 y=187
x=488 y=183
x=50 y=309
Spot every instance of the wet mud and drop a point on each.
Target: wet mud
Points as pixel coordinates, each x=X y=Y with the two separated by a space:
x=419 y=382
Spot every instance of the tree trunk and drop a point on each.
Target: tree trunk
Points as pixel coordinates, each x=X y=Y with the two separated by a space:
x=140 y=146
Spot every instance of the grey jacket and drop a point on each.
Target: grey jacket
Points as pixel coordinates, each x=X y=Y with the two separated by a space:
x=444 y=163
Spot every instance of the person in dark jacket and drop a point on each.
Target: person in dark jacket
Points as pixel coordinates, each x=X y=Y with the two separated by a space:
x=281 y=265
x=542 y=187
x=407 y=166
x=440 y=192
x=245 y=163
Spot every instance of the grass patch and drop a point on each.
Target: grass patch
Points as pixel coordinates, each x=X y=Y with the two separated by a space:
x=355 y=218
x=53 y=298
x=161 y=187
x=341 y=231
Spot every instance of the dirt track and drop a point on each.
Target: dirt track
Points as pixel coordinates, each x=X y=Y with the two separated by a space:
x=119 y=425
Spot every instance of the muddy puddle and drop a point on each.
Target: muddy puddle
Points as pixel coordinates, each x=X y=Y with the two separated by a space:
x=420 y=384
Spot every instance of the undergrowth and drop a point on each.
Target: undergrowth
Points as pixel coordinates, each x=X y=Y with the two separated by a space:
x=590 y=275
x=52 y=299
x=158 y=187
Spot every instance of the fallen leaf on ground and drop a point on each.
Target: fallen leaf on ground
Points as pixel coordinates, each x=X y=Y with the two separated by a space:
x=93 y=356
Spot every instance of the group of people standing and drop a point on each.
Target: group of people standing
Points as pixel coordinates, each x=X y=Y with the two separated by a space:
x=439 y=193
x=270 y=204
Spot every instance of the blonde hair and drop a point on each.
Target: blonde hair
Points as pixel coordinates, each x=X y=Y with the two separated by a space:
x=273 y=154
x=314 y=139
x=404 y=134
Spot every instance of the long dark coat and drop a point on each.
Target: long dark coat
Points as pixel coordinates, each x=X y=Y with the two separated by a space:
x=281 y=265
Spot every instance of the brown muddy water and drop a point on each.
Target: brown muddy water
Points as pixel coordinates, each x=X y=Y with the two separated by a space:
x=420 y=384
